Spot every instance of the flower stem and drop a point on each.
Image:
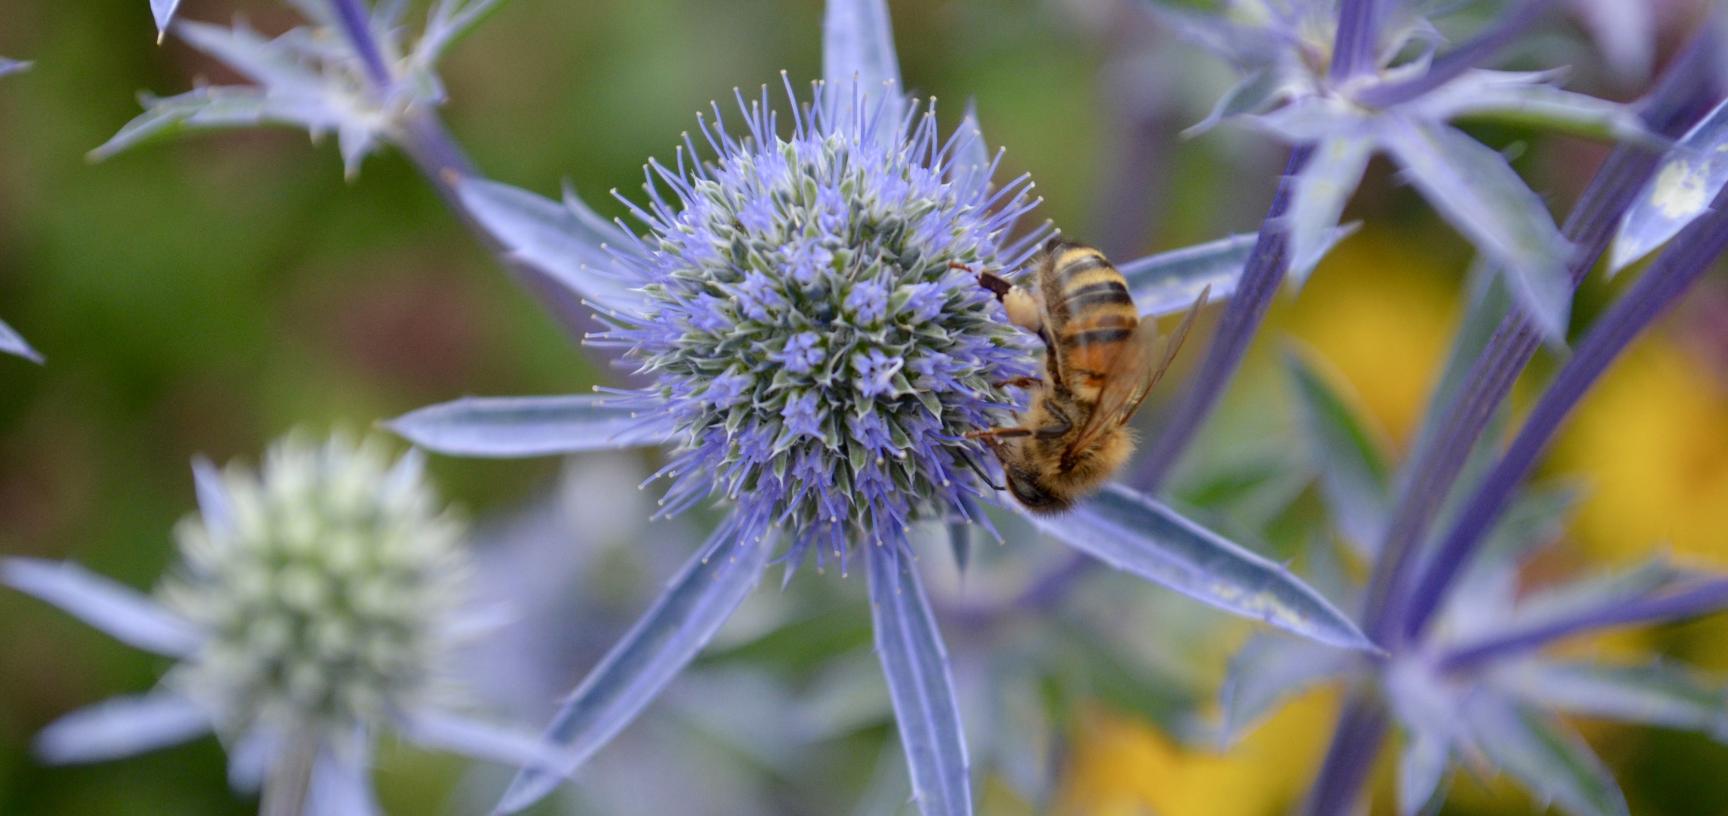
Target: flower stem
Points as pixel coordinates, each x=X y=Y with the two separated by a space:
x=1358 y=36
x=356 y=24
x=289 y=780
x=1355 y=743
x=1662 y=284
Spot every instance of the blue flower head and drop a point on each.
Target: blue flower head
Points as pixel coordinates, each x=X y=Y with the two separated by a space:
x=789 y=279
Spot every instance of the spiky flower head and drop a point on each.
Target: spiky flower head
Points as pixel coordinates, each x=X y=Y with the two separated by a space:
x=808 y=328
x=324 y=587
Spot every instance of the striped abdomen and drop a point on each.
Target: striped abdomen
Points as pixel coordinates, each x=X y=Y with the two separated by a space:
x=1090 y=314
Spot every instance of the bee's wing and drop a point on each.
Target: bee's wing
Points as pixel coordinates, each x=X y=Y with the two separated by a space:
x=1136 y=369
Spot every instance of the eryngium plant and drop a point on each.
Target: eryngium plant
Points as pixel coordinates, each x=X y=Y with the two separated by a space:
x=817 y=355
x=313 y=609
x=813 y=358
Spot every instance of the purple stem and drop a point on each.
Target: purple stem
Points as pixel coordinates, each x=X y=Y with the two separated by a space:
x=1699 y=599
x=1356 y=741
x=1661 y=285
x=1450 y=65
x=1683 y=92
x=1242 y=317
x=1358 y=36
x=357 y=24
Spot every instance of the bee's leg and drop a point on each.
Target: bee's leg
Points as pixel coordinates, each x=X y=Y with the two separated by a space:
x=1058 y=426
x=1018 y=382
x=998 y=285
x=1021 y=305
x=995 y=435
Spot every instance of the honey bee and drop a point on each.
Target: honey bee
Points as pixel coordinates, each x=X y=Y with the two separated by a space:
x=1101 y=360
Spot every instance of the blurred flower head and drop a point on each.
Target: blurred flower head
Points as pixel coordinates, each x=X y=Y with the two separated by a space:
x=346 y=71
x=325 y=588
x=312 y=609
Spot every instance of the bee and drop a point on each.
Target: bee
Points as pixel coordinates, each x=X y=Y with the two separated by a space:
x=1101 y=360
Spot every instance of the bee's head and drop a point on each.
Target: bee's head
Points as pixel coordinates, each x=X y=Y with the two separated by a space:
x=1030 y=491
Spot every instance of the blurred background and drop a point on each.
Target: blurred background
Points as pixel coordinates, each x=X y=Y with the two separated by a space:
x=209 y=294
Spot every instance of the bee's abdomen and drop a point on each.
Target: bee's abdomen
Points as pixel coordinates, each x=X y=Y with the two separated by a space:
x=1096 y=315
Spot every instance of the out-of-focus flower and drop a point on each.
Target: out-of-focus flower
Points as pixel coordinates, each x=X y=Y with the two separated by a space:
x=1385 y=90
x=314 y=76
x=312 y=611
x=1483 y=687
x=1122 y=766
x=819 y=350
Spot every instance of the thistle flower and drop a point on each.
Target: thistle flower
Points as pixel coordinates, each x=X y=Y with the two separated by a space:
x=312 y=607
x=816 y=359
x=1480 y=686
x=1373 y=92
x=314 y=76
x=815 y=344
